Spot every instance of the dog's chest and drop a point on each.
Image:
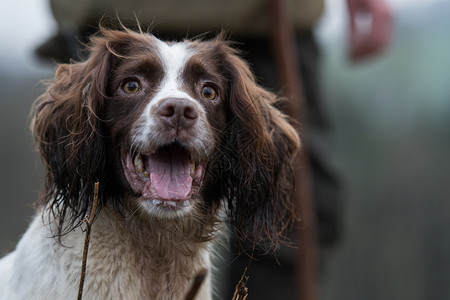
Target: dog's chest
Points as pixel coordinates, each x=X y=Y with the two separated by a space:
x=120 y=266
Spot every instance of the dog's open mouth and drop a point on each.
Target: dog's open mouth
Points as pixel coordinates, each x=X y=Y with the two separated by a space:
x=167 y=177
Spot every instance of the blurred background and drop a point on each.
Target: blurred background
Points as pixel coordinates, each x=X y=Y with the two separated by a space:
x=389 y=139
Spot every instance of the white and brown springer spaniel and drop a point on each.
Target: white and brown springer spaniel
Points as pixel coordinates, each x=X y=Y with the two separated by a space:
x=176 y=134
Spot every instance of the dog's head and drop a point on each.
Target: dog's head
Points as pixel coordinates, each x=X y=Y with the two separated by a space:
x=171 y=128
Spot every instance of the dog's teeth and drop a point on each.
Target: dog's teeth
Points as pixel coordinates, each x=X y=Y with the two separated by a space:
x=192 y=169
x=156 y=202
x=139 y=165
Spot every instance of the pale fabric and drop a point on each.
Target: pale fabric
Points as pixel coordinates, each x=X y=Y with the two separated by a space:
x=240 y=17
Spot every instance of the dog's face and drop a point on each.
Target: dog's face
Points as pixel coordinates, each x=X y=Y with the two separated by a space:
x=169 y=128
x=164 y=117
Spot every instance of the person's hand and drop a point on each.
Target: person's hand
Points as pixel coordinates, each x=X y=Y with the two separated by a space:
x=370 y=27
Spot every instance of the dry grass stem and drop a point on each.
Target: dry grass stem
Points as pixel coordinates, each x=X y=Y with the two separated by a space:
x=241 y=291
x=89 y=220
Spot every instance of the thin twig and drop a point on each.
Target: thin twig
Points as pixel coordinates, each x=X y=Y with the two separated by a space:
x=89 y=220
x=241 y=291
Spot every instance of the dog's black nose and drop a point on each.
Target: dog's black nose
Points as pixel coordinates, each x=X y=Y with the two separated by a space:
x=177 y=112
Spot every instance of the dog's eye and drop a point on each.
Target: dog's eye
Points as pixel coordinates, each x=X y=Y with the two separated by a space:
x=131 y=86
x=209 y=93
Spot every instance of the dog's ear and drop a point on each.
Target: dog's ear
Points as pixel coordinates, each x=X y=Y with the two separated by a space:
x=67 y=126
x=257 y=162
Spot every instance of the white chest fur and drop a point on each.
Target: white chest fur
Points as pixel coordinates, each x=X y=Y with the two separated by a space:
x=142 y=264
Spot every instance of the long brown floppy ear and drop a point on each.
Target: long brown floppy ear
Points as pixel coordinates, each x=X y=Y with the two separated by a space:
x=68 y=133
x=68 y=130
x=257 y=171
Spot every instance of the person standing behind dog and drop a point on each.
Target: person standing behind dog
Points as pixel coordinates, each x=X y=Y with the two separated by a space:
x=248 y=23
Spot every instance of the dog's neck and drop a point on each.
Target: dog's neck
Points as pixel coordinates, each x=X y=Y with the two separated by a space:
x=139 y=257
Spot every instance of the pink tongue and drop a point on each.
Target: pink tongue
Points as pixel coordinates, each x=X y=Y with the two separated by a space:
x=170 y=173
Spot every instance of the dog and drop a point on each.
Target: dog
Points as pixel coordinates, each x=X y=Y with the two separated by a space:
x=181 y=140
